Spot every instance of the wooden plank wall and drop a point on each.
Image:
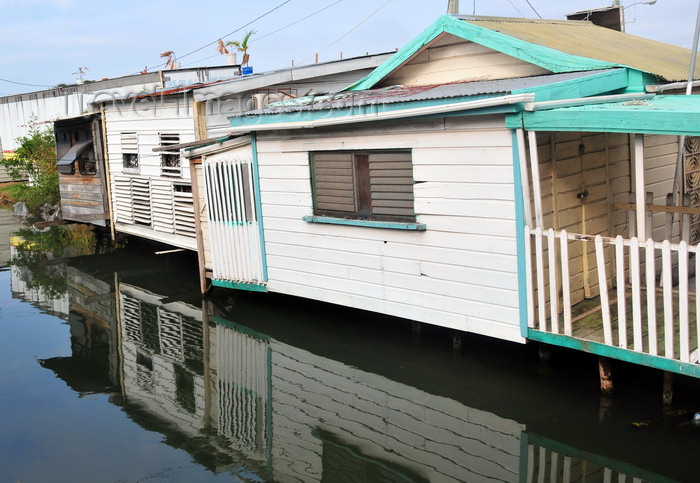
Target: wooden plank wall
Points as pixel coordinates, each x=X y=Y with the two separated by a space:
x=432 y=436
x=460 y=273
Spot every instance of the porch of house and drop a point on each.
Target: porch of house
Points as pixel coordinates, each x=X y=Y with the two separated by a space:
x=644 y=309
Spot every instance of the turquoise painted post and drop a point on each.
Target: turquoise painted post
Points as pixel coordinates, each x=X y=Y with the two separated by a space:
x=258 y=203
x=520 y=234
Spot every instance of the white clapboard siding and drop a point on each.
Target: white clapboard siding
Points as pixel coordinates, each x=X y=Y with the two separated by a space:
x=445 y=60
x=465 y=195
x=382 y=420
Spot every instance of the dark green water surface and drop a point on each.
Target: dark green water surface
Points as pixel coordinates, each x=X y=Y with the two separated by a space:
x=124 y=373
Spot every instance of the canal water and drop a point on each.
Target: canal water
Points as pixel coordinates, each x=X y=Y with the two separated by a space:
x=113 y=368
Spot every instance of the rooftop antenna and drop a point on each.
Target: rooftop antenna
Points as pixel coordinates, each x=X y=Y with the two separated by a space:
x=453 y=7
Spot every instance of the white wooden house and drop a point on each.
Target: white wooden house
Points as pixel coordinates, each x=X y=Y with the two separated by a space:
x=150 y=184
x=410 y=193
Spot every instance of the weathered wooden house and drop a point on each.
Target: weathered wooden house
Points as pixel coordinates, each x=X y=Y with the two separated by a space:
x=81 y=174
x=478 y=180
x=149 y=180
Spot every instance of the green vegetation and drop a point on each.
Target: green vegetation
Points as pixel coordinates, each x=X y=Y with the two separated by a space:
x=9 y=194
x=35 y=158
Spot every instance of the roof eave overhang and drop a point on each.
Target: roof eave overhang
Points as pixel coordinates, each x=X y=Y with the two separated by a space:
x=308 y=119
x=680 y=116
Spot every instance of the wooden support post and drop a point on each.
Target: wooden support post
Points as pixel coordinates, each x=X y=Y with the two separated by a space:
x=669 y=218
x=685 y=221
x=605 y=371
x=649 y=217
x=416 y=329
x=667 y=396
x=544 y=353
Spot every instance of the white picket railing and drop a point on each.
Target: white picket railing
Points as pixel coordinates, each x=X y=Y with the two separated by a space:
x=632 y=277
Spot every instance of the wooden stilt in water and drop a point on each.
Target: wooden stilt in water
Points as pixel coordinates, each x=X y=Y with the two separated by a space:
x=667 y=396
x=416 y=329
x=606 y=401
x=606 y=380
x=544 y=353
x=457 y=342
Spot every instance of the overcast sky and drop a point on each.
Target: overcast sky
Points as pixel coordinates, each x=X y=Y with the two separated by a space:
x=43 y=42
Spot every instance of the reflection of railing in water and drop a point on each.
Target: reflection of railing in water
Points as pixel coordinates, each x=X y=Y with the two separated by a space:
x=545 y=460
x=633 y=266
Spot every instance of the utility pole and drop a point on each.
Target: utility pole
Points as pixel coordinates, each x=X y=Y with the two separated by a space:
x=453 y=7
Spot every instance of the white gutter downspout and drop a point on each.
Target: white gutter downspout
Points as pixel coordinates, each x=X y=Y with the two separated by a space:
x=390 y=115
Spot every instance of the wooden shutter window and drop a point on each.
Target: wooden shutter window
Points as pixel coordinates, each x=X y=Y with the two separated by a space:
x=366 y=185
x=334 y=182
x=391 y=178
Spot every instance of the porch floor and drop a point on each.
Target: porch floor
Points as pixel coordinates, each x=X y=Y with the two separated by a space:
x=587 y=322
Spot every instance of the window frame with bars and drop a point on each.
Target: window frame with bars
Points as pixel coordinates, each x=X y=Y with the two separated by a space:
x=363 y=185
x=170 y=161
x=129 y=142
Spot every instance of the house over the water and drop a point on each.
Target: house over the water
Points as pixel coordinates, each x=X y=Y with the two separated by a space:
x=151 y=191
x=505 y=177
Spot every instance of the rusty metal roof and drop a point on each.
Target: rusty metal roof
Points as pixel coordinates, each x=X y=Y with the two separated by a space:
x=396 y=94
x=588 y=40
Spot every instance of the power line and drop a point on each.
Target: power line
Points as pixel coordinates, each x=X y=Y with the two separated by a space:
x=349 y=32
x=275 y=31
x=230 y=33
x=533 y=9
x=300 y=20
x=23 y=84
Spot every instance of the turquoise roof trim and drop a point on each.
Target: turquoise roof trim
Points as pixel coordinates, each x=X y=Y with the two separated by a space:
x=307 y=115
x=545 y=57
x=676 y=115
x=606 y=82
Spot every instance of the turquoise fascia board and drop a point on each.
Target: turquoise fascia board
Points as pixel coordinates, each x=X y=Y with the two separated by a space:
x=520 y=235
x=674 y=115
x=250 y=287
x=545 y=57
x=250 y=121
x=611 y=81
x=258 y=203
x=640 y=358
x=392 y=225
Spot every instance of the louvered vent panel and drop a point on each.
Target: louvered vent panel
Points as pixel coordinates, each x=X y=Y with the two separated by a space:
x=122 y=200
x=184 y=211
x=334 y=182
x=391 y=179
x=163 y=209
x=141 y=196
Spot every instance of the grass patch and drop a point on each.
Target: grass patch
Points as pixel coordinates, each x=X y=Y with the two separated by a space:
x=9 y=193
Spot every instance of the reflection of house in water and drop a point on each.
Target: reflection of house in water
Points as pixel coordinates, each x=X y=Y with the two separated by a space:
x=299 y=406
x=162 y=356
x=25 y=286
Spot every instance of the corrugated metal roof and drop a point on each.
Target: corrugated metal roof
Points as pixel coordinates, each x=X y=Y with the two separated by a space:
x=588 y=40
x=396 y=94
